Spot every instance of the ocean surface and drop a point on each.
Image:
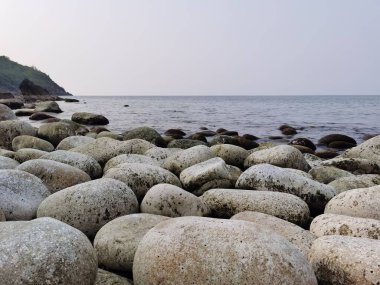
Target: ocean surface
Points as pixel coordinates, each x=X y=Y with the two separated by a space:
x=313 y=116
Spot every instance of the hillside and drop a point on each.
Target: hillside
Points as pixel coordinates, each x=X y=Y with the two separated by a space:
x=12 y=74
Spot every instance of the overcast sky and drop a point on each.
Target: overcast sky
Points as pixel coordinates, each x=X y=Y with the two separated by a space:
x=198 y=47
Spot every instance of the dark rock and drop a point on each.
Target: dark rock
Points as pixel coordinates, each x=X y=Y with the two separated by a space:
x=341 y=145
x=48 y=106
x=55 y=132
x=175 y=133
x=289 y=131
x=369 y=136
x=304 y=142
x=250 y=137
x=198 y=136
x=184 y=143
x=145 y=133
x=303 y=149
x=52 y=120
x=203 y=128
x=24 y=112
x=70 y=100
x=207 y=133
x=220 y=130
x=230 y=133
x=89 y=118
x=126 y=105
x=336 y=137
x=282 y=127
x=326 y=154
x=221 y=139
x=6 y=95
x=247 y=143
x=275 y=137
x=12 y=103
x=27 y=87
x=40 y=116
x=98 y=130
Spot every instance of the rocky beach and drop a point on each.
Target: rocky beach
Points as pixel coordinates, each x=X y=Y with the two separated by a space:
x=84 y=204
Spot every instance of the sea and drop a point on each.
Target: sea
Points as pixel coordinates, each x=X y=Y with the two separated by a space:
x=312 y=116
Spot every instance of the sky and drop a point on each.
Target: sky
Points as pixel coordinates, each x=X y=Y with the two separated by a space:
x=198 y=47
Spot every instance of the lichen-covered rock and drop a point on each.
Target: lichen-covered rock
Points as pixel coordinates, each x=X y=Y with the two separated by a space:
x=45 y=251
x=7 y=153
x=231 y=154
x=272 y=178
x=11 y=129
x=20 y=194
x=111 y=135
x=194 y=250
x=129 y=158
x=212 y=173
x=81 y=161
x=89 y=206
x=160 y=154
x=312 y=160
x=185 y=143
x=57 y=131
x=145 y=133
x=301 y=238
x=354 y=182
x=370 y=149
x=327 y=174
x=354 y=165
x=86 y=118
x=364 y=203
x=282 y=156
x=48 y=106
x=6 y=113
x=31 y=142
x=8 y=163
x=224 y=203
x=73 y=141
x=108 y=278
x=26 y=154
x=188 y=157
x=116 y=242
x=332 y=224
x=172 y=201
x=55 y=175
x=141 y=177
x=343 y=260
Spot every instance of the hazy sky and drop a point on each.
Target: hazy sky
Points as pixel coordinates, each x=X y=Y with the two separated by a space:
x=198 y=47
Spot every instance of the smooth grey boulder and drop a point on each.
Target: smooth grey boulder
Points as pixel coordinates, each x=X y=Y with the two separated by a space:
x=364 y=203
x=57 y=131
x=8 y=163
x=354 y=165
x=312 y=160
x=172 y=201
x=89 y=206
x=145 y=133
x=111 y=135
x=20 y=194
x=129 y=158
x=301 y=238
x=6 y=113
x=231 y=154
x=369 y=149
x=332 y=224
x=195 y=250
x=160 y=154
x=212 y=173
x=343 y=260
x=116 y=242
x=188 y=157
x=48 y=106
x=81 y=161
x=224 y=203
x=86 y=118
x=55 y=175
x=141 y=177
x=327 y=174
x=354 y=182
x=104 y=277
x=11 y=129
x=73 y=141
x=31 y=142
x=45 y=251
x=283 y=156
x=26 y=154
x=272 y=178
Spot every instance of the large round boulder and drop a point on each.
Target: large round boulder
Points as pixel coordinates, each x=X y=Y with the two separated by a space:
x=8 y=163
x=73 y=141
x=159 y=154
x=327 y=174
x=336 y=138
x=26 y=154
x=354 y=182
x=231 y=154
x=145 y=133
x=31 y=142
x=86 y=118
x=48 y=106
x=129 y=158
x=6 y=113
x=354 y=165
x=57 y=131
x=370 y=149
x=11 y=129
x=185 y=143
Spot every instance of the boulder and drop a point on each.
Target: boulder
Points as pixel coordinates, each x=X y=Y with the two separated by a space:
x=363 y=203
x=20 y=194
x=111 y=135
x=45 y=251
x=48 y=106
x=159 y=154
x=312 y=160
x=24 y=112
x=370 y=149
x=303 y=142
x=327 y=154
x=327 y=174
x=341 y=145
x=332 y=224
x=56 y=132
x=194 y=250
x=11 y=129
x=25 y=141
x=89 y=206
x=222 y=139
x=282 y=156
x=104 y=277
x=172 y=201
x=7 y=153
x=354 y=182
x=129 y=158
x=39 y=116
x=224 y=203
x=86 y=118
x=336 y=137
x=6 y=113
x=55 y=175
x=8 y=163
x=272 y=178
x=145 y=133
x=354 y=165
x=116 y=242
x=73 y=141
x=343 y=260
x=12 y=103
x=185 y=143
x=231 y=154
x=26 y=154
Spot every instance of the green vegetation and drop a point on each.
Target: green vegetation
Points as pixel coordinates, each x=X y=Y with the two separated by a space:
x=12 y=74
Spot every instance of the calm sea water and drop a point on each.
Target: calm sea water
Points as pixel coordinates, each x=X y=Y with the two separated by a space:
x=258 y=115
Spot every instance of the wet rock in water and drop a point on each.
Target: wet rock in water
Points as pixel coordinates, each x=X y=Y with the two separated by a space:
x=230 y=133
x=207 y=133
x=81 y=161
x=39 y=116
x=221 y=139
x=363 y=203
x=55 y=175
x=48 y=106
x=354 y=182
x=341 y=145
x=20 y=194
x=129 y=158
x=186 y=158
x=104 y=277
x=145 y=133
x=6 y=113
x=289 y=131
x=272 y=178
x=326 y=154
x=275 y=137
x=303 y=142
x=250 y=137
x=11 y=129
x=231 y=154
x=45 y=251
x=301 y=238
x=24 y=112
x=8 y=163
x=327 y=174
x=117 y=241
x=111 y=135
x=354 y=165
x=370 y=149
x=221 y=130
x=247 y=143
x=160 y=154
x=212 y=173
x=175 y=133
x=141 y=177
x=89 y=206
x=185 y=143
x=172 y=201
x=207 y=245
x=71 y=100
x=224 y=203
x=332 y=224
x=282 y=156
x=73 y=141
x=86 y=118
x=198 y=136
x=12 y=103
x=326 y=140
x=56 y=132
x=26 y=154
x=343 y=260
x=25 y=141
